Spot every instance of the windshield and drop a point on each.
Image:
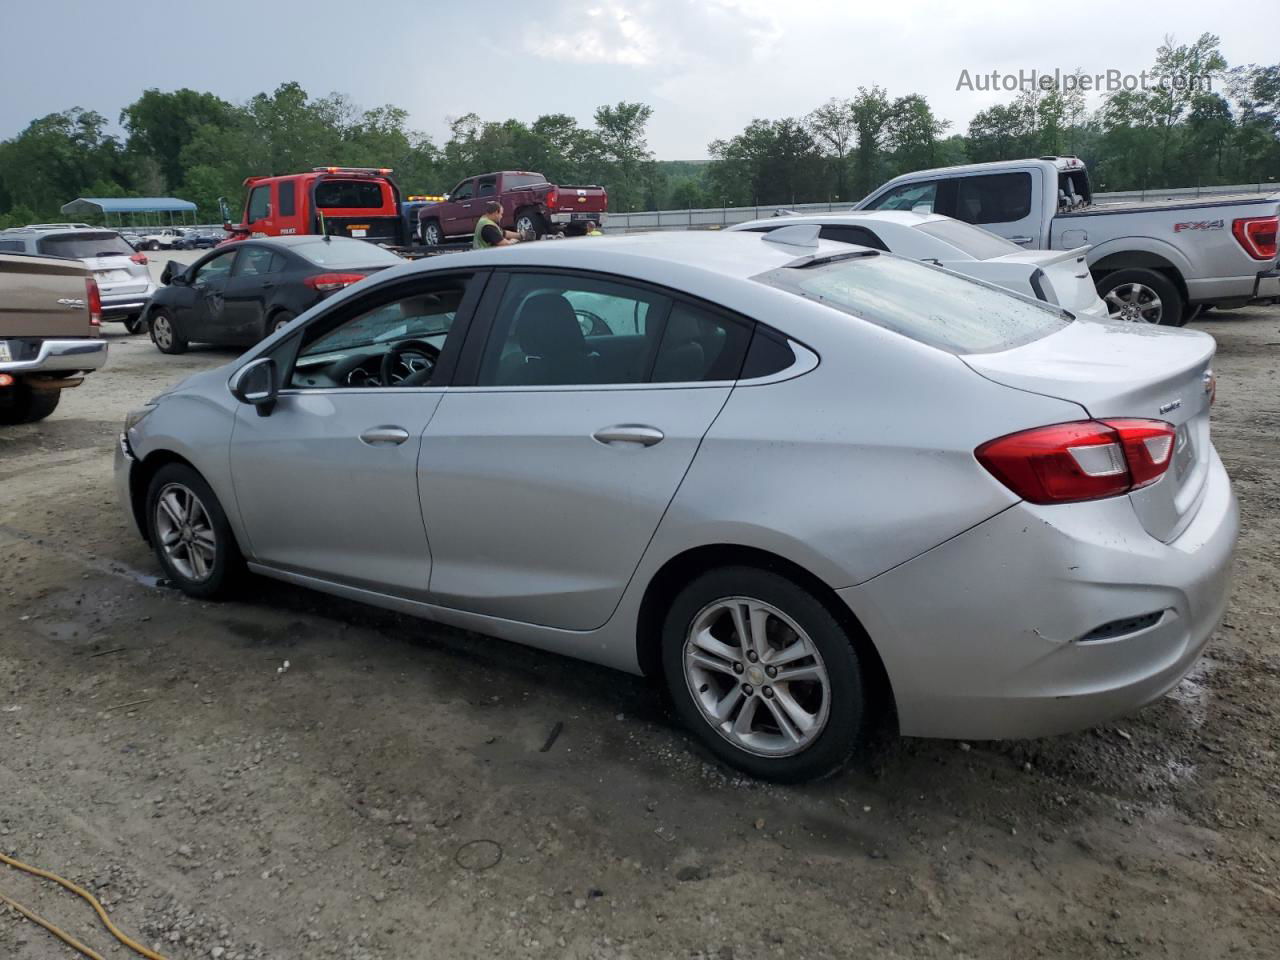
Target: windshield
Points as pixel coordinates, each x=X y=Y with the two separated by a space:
x=974 y=241
x=922 y=302
x=85 y=243
x=340 y=252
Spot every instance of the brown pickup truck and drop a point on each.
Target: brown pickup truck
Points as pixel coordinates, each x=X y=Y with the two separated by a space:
x=50 y=333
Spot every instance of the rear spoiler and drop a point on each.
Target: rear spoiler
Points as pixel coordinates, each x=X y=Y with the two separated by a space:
x=1058 y=256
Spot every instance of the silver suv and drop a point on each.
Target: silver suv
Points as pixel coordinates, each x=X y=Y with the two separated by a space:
x=121 y=274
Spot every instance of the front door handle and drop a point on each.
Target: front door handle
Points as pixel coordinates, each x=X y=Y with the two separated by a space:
x=1022 y=241
x=629 y=433
x=384 y=436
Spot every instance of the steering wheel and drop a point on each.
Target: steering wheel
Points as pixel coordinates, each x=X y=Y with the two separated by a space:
x=592 y=324
x=412 y=376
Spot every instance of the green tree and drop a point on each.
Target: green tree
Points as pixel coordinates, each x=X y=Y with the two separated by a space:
x=871 y=112
x=160 y=125
x=835 y=128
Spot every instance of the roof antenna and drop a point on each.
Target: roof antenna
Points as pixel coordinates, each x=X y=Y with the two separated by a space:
x=796 y=235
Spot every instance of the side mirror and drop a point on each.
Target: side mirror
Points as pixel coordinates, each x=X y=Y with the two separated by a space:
x=174 y=272
x=255 y=384
x=224 y=209
x=446 y=196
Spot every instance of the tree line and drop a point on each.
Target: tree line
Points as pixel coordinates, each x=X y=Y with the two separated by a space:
x=200 y=147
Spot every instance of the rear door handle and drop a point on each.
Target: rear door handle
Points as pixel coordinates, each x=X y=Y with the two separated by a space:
x=384 y=436
x=629 y=433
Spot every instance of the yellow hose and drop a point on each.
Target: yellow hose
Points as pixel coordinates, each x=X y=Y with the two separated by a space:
x=83 y=894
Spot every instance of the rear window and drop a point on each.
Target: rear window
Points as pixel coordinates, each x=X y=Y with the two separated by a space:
x=86 y=243
x=349 y=253
x=512 y=181
x=357 y=194
x=922 y=302
x=974 y=241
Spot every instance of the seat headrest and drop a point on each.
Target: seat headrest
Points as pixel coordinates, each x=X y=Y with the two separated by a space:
x=548 y=327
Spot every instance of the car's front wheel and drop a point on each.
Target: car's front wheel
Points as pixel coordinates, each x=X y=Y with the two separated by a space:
x=190 y=533
x=432 y=235
x=764 y=674
x=165 y=335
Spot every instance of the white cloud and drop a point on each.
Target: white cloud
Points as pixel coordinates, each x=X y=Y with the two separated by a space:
x=607 y=31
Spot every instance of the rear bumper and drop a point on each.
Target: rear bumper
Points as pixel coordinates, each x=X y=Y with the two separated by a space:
x=570 y=217
x=60 y=356
x=982 y=636
x=119 y=306
x=1268 y=285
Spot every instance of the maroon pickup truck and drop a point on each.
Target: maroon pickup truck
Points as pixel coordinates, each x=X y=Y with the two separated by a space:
x=530 y=205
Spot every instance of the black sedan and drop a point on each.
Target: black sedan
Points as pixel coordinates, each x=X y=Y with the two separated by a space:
x=241 y=292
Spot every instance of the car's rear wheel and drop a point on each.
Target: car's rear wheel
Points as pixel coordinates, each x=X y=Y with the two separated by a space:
x=530 y=225
x=21 y=404
x=763 y=673
x=1142 y=296
x=432 y=235
x=133 y=323
x=277 y=321
x=165 y=335
x=190 y=533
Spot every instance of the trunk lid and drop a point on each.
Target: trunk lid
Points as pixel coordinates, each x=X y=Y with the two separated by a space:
x=117 y=275
x=1115 y=370
x=1067 y=272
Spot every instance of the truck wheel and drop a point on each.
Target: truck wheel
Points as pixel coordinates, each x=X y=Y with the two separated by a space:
x=153 y=245
x=133 y=323
x=165 y=335
x=531 y=223
x=1142 y=296
x=24 y=405
x=432 y=235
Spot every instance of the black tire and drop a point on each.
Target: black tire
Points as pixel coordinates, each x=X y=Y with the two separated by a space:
x=177 y=481
x=153 y=245
x=21 y=404
x=164 y=333
x=432 y=233
x=1122 y=284
x=531 y=222
x=274 y=322
x=835 y=739
x=133 y=323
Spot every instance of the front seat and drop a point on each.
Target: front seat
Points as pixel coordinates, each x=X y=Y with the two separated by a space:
x=552 y=348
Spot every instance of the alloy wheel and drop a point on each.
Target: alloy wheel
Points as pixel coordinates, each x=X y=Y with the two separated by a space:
x=1134 y=302
x=162 y=332
x=757 y=677
x=185 y=532
x=524 y=225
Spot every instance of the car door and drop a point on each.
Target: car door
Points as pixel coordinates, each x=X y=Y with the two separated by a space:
x=251 y=285
x=550 y=461
x=209 y=283
x=258 y=211
x=1001 y=203
x=459 y=215
x=326 y=484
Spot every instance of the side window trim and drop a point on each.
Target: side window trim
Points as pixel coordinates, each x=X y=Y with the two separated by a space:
x=459 y=332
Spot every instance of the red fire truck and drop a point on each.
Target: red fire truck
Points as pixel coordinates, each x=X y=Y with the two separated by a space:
x=361 y=202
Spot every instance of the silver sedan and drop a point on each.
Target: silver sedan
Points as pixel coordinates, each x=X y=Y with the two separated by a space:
x=808 y=487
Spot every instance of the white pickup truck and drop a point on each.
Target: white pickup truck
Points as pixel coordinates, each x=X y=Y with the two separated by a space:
x=167 y=239
x=1156 y=261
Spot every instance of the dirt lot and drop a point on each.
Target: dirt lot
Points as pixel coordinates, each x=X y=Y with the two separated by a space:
x=389 y=794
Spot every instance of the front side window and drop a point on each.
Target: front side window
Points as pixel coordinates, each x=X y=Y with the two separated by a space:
x=463 y=191
x=393 y=343
x=920 y=197
x=993 y=198
x=259 y=202
x=216 y=269
x=922 y=302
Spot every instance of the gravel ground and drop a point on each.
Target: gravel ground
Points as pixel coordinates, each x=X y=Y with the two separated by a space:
x=388 y=795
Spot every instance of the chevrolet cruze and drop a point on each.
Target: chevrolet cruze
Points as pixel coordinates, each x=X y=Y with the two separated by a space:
x=802 y=483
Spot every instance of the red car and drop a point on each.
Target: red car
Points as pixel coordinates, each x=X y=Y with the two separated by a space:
x=360 y=202
x=530 y=205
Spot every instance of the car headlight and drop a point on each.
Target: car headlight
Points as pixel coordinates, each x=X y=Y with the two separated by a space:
x=135 y=417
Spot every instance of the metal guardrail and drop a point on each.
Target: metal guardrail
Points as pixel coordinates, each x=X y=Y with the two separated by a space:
x=712 y=218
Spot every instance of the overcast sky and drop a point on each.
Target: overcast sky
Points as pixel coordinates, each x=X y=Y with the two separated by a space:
x=707 y=67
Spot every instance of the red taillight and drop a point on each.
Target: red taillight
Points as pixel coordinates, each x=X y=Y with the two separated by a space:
x=1257 y=235
x=94 y=298
x=140 y=259
x=553 y=198
x=333 y=281
x=1085 y=460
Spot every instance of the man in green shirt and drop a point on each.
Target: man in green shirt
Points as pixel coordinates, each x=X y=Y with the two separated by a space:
x=489 y=232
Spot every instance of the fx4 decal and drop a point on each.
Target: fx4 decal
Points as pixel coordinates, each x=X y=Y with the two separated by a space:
x=1199 y=225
